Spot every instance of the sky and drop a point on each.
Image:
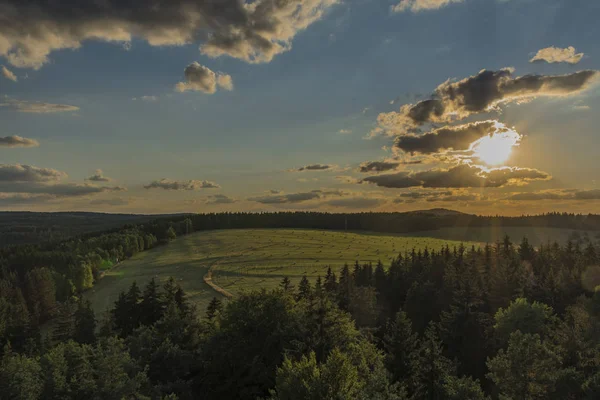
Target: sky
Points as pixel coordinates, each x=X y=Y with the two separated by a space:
x=167 y=106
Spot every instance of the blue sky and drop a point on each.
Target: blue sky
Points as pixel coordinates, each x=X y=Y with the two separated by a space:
x=340 y=73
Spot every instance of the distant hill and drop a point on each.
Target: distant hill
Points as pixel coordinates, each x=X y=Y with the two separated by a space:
x=23 y=227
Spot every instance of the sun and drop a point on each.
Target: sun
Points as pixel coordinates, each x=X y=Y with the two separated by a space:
x=496 y=148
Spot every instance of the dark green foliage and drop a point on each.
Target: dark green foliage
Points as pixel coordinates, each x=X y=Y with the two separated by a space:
x=214 y=309
x=85 y=323
x=528 y=369
x=401 y=345
x=304 y=289
x=455 y=323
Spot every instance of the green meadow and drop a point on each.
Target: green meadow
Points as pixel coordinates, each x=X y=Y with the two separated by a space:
x=247 y=259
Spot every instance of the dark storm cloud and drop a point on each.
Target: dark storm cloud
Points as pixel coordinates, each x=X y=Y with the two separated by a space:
x=167 y=184
x=287 y=198
x=460 y=176
x=381 y=166
x=28 y=173
x=18 y=141
x=480 y=93
x=450 y=137
x=219 y=199
x=98 y=177
x=252 y=31
x=315 y=167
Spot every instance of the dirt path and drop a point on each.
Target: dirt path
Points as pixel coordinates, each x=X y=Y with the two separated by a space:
x=208 y=280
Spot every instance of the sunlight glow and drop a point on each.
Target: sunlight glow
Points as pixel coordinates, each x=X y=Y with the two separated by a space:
x=496 y=148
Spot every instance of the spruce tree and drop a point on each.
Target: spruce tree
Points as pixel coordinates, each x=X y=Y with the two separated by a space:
x=85 y=323
x=304 y=290
x=213 y=309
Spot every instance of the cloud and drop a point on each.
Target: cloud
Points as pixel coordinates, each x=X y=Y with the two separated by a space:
x=98 y=177
x=314 y=167
x=8 y=74
x=28 y=173
x=36 y=107
x=355 y=202
x=593 y=194
x=345 y=131
x=421 y=5
x=147 y=99
x=381 y=166
x=118 y=201
x=286 y=198
x=557 y=55
x=347 y=179
x=298 y=197
x=18 y=141
x=479 y=93
x=450 y=137
x=251 y=31
x=219 y=199
x=24 y=199
x=167 y=184
x=56 y=189
x=199 y=78
x=460 y=176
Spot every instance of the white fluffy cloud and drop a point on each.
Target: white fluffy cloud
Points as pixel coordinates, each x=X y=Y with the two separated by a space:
x=557 y=55
x=202 y=79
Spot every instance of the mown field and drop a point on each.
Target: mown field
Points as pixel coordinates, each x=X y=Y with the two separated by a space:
x=248 y=259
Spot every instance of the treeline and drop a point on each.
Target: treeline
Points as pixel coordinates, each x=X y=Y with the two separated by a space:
x=35 y=280
x=501 y=322
x=391 y=222
x=19 y=227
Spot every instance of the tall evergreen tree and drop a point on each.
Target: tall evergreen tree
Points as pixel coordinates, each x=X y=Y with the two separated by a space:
x=85 y=323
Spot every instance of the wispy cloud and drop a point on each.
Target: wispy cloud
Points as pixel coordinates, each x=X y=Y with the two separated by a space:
x=422 y=5
x=167 y=184
x=18 y=141
x=35 y=106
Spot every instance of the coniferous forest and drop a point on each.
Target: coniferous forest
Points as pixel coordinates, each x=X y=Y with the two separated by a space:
x=504 y=321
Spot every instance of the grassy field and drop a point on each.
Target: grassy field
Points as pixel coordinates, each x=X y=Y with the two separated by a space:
x=251 y=259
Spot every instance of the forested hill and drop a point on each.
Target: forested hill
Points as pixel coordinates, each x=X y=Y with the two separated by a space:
x=23 y=227
x=33 y=227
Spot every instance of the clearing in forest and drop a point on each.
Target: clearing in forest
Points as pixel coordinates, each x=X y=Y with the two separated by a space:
x=246 y=259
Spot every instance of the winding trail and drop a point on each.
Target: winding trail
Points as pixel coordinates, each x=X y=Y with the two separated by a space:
x=208 y=280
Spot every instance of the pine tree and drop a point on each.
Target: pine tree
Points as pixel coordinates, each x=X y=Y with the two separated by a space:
x=304 y=290
x=65 y=325
x=401 y=346
x=214 y=309
x=152 y=305
x=432 y=369
x=286 y=284
x=85 y=323
x=330 y=281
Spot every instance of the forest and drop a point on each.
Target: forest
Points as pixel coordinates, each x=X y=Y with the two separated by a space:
x=504 y=321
